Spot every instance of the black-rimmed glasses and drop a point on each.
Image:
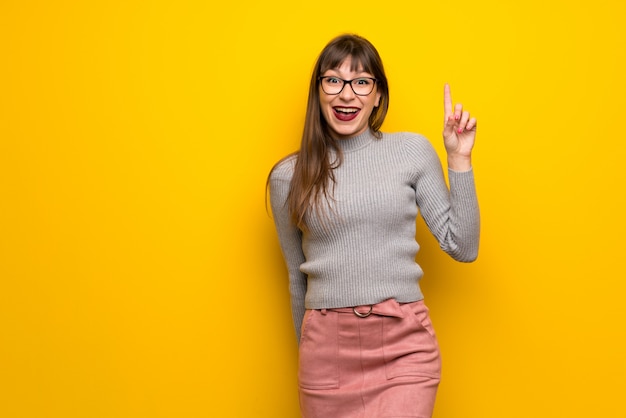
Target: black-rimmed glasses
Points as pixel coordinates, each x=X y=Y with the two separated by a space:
x=361 y=86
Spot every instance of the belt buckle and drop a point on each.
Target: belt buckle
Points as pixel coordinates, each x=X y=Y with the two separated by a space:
x=363 y=315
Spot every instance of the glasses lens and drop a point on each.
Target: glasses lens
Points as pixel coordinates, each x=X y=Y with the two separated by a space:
x=363 y=86
x=332 y=85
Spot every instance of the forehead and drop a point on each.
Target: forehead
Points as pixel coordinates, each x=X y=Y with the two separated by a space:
x=351 y=63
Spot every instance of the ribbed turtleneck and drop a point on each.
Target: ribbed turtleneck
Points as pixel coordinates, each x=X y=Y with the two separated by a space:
x=363 y=250
x=356 y=143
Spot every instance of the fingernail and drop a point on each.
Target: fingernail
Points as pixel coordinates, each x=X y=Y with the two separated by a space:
x=460 y=130
x=456 y=117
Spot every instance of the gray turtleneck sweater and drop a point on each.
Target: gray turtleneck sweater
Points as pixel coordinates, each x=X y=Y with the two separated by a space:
x=364 y=251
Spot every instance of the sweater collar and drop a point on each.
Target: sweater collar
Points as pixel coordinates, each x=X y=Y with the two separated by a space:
x=356 y=142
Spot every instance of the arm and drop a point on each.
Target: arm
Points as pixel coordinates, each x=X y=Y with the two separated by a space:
x=459 y=135
x=290 y=238
x=452 y=216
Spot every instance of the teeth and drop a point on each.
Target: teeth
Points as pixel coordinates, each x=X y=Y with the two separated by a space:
x=346 y=110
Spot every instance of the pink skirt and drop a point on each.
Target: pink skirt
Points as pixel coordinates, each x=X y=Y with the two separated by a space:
x=374 y=361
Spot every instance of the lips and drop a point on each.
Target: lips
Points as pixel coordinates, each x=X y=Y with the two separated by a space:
x=346 y=114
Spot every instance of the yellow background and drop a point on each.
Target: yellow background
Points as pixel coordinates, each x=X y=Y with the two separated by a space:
x=140 y=275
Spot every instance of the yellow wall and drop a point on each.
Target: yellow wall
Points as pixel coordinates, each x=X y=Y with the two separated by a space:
x=141 y=277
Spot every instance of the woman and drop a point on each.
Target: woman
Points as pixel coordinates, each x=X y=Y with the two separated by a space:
x=345 y=208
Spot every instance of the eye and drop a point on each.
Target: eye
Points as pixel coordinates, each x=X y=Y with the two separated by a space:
x=362 y=81
x=332 y=80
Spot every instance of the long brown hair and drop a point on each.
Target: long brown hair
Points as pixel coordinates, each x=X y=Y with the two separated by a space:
x=313 y=172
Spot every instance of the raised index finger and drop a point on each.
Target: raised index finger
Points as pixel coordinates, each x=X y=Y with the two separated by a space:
x=447 y=101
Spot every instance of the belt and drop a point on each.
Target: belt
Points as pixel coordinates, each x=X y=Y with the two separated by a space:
x=389 y=307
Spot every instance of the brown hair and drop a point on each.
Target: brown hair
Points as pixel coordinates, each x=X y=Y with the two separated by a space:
x=313 y=172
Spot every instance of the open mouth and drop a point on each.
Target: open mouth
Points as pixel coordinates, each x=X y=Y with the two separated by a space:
x=346 y=113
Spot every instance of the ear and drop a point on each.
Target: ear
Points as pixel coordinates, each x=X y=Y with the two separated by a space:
x=377 y=102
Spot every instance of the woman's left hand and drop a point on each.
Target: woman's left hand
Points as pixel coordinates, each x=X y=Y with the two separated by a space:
x=459 y=133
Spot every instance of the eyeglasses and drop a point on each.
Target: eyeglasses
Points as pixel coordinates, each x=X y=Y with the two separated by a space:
x=361 y=86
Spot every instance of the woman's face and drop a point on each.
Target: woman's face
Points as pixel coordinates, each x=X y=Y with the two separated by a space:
x=346 y=113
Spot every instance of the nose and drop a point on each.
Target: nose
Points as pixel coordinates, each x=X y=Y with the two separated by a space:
x=347 y=93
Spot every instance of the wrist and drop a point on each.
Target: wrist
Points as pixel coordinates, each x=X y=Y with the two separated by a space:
x=459 y=162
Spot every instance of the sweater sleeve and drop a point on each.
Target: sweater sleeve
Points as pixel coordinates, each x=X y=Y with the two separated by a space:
x=290 y=238
x=451 y=215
